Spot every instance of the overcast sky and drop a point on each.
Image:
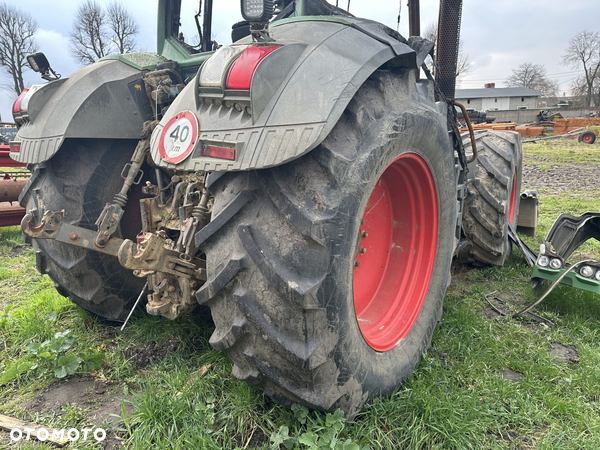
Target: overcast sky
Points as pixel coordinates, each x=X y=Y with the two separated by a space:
x=498 y=35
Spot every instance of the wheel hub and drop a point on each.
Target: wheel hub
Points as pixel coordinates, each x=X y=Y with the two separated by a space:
x=396 y=252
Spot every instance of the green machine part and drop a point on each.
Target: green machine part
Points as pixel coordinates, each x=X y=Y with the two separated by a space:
x=572 y=279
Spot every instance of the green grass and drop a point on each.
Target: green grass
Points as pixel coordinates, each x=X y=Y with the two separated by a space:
x=561 y=152
x=456 y=399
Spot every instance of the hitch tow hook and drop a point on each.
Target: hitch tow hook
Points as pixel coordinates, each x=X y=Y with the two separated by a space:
x=52 y=227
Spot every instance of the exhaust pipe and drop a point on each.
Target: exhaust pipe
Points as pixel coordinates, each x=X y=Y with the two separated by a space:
x=447 y=46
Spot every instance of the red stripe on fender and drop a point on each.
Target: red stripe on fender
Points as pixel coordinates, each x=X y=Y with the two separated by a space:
x=240 y=75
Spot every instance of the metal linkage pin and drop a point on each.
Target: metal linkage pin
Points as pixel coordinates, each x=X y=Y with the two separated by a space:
x=135 y=305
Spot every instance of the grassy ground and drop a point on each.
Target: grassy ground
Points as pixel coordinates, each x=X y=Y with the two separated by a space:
x=487 y=382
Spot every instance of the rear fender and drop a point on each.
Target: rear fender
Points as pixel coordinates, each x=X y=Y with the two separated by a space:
x=298 y=93
x=93 y=103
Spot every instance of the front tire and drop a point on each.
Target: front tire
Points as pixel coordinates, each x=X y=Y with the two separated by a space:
x=288 y=300
x=493 y=198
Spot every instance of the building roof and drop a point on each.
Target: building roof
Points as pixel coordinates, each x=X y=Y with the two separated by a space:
x=496 y=92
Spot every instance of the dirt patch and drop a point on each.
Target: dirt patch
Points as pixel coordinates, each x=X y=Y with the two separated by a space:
x=443 y=357
x=563 y=353
x=257 y=440
x=17 y=250
x=97 y=401
x=515 y=441
x=490 y=314
x=511 y=375
x=559 y=178
x=143 y=355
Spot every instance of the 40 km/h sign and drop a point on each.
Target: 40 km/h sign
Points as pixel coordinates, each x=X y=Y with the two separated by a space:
x=178 y=137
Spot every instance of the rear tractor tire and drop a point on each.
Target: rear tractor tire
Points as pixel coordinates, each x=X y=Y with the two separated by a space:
x=327 y=274
x=492 y=198
x=81 y=178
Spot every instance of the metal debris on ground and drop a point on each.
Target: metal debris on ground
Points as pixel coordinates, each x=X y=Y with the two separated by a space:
x=533 y=315
x=528 y=254
x=574 y=132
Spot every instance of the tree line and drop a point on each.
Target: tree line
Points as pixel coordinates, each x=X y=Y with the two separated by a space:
x=96 y=32
x=582 y=54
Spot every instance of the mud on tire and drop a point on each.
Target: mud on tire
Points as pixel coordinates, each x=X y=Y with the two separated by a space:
x=281 y=249
x=492 y=197
x=82 y=178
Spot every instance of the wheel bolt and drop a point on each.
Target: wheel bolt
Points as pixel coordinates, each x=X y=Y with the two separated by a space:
x=363 y=250
x=364 y=234
x=356 y=263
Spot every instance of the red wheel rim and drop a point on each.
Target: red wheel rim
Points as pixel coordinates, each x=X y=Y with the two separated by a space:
x=513 y=201
x=587 y=138
x=396 y=252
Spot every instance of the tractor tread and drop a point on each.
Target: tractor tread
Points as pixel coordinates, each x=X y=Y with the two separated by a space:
x=81 y=178
x=279 y=262
x=487 y=203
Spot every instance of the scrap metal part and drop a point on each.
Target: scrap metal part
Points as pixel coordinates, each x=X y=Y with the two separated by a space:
x=11 y=185
x=566 y=235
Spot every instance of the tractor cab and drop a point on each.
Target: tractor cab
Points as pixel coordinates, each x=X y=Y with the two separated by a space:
x=179 y=40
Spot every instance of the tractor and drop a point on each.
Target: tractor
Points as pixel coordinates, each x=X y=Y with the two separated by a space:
x=308 y=183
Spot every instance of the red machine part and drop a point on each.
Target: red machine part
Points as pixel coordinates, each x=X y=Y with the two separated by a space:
x=5 y=160
x=10 y=188
x=398 y=244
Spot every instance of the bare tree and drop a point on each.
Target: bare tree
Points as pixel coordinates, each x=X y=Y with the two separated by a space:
x=123 y=26
x=584 y=51
x=533 y=76
x=89 y=38
x=464 y=64
x=579 y=90
x=97 y=33
x=17 y=31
